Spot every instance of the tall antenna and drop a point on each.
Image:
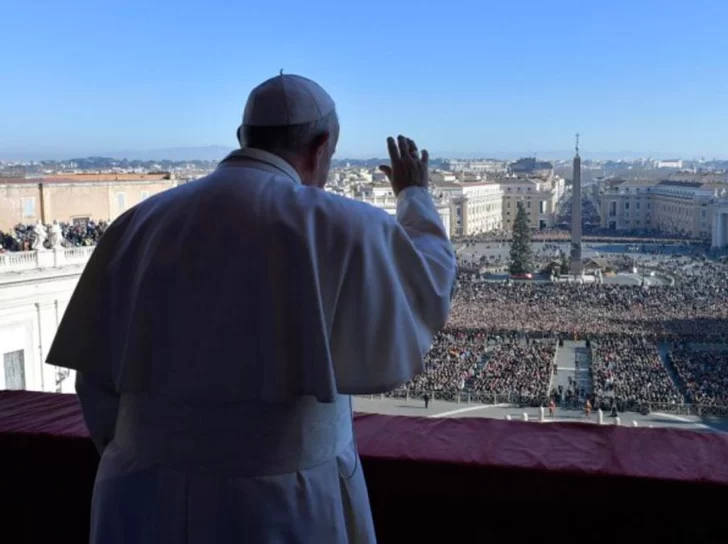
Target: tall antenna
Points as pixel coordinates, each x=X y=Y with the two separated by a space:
x=577 y=143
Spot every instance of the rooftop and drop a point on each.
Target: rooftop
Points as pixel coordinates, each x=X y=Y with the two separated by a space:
x=464 y=184
x=86 y=178
x=677 y=183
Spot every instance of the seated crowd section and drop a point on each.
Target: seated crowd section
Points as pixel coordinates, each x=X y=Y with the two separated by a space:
x=703 y=374
x=631 y=371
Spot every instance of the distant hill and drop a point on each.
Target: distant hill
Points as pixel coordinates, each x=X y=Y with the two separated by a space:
x=203 y=153
x=206 y=153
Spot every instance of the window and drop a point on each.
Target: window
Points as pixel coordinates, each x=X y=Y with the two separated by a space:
x=121 y=202
x=143 y=195
x=637 y=205
x=14 y=363
x=28 y=206
x=626 y=205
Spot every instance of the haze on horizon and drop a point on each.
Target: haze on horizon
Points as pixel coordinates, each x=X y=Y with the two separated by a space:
x=636 y=79
x=217 y=152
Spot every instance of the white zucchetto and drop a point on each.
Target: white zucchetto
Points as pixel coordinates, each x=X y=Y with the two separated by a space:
x=287 y=100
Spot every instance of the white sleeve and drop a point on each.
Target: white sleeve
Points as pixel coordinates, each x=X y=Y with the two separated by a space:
x=395 y=296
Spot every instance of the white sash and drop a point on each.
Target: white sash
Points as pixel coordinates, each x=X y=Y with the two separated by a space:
x=241 y=439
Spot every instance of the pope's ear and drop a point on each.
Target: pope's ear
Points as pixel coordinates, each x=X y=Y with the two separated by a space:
x=320 y=144
x=319 y=149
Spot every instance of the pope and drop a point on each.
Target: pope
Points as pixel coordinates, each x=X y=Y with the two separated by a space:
x=221 y=327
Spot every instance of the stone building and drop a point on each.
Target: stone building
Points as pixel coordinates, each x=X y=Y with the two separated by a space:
x=70 y=197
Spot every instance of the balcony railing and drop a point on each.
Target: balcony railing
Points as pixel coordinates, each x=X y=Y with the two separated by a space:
x=19 y=261
x=439 y=468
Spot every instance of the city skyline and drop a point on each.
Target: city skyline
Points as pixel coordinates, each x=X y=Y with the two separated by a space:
x=639 y=78
x=217 y=152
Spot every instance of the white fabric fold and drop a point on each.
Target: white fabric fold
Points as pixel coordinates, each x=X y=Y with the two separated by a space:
x=217 y=331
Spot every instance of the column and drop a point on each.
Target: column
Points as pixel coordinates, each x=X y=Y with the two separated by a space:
x=47 y=325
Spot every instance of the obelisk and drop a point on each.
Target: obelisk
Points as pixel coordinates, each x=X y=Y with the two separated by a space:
x=576 y=264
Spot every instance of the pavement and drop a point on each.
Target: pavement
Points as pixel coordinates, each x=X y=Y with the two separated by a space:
x=590 y=250
x=566 y=358
x=443 y=409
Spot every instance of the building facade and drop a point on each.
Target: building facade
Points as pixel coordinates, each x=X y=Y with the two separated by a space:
x=540 y=198
x=100 y=197
x=719 y=234
x=681 y=208
x=475 y=208
x=35 y=288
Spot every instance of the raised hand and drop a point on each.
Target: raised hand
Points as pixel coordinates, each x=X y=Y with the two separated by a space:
x=408 y=168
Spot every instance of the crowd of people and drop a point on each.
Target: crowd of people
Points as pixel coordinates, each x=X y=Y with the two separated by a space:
x=630 y=373
x=494 y=367
x=490 y=347
x=558 y=234
x=78 y=234
x=517 y=372
x=703 y=373
x=452 y=361
x=693 y=307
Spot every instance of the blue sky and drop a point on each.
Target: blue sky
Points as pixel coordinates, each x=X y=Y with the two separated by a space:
x=462 y=76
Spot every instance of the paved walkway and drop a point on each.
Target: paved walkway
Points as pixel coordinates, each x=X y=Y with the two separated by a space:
x=664 y=349
x=441 y=409
x=573 y=360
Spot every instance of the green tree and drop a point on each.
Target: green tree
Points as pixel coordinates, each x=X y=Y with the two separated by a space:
x=521 y=255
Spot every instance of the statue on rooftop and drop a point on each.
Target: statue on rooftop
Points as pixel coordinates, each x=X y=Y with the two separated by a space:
x=55 y=236
x=40 y=236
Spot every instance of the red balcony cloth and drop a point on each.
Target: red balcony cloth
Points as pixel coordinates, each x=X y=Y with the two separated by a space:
x=588 y=449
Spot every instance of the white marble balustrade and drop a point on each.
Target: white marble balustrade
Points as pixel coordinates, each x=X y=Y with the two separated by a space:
x=19 y=261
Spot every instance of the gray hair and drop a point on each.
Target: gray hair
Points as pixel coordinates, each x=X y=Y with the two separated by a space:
x=291 y=138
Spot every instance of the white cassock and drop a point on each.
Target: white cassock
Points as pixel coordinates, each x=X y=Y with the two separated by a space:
x=218 y=332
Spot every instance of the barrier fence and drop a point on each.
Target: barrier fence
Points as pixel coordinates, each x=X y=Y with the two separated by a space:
x=526 y=401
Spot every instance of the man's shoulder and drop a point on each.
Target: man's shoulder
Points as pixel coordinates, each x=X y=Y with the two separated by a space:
x=344 y=214
x=349 y=208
